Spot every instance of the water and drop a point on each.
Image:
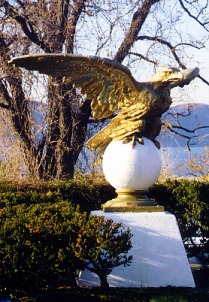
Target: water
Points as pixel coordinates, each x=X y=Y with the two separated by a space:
x=175 y=161
x=179 y=161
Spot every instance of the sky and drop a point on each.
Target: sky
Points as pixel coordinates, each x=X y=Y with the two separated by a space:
x=196 y=92
x=182 y=29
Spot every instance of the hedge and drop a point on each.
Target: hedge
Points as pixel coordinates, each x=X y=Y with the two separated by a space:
x=47 y=244
x=40 y=223
x=35 y=245
x=188 y=200
x=83 y=192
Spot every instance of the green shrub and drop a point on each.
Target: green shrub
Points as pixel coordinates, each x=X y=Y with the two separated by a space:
x=103 y=244
x=169 y=299
x=35 y=244
x=46 y=244
x=188 y=201
x=84 y=193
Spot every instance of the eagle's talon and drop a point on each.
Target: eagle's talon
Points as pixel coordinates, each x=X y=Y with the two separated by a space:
x=140 y=140
x=133 y=141
x=157 y=144
x=136 y=139
x=126 y=140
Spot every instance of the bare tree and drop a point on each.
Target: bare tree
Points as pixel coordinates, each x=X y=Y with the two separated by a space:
x=114 y=29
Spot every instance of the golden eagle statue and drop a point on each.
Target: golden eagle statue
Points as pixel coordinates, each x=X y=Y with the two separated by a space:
x=112 y=89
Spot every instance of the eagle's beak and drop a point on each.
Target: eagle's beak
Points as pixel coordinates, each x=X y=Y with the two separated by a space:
x=183 y=78
x=189 y=75
x=175 y=78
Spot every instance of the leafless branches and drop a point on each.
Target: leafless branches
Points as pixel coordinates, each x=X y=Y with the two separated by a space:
x=138 y=19
x=79 y=26
x=200 y=10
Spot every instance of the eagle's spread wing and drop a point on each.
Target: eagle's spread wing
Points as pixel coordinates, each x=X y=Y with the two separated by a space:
x=107 y=83
x=111 y=86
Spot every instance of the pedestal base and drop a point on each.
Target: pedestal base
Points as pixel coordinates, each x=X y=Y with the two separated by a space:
x=132 y=201
x=159 y=257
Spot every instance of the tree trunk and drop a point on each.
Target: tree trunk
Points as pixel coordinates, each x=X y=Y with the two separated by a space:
x=51 y=27
x=103 y=280
x=138 y=20
x=66 y=131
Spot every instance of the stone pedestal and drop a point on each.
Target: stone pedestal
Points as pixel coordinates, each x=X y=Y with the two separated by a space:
x=159 y=257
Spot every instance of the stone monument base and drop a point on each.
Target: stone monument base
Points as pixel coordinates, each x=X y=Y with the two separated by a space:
x=159 y=257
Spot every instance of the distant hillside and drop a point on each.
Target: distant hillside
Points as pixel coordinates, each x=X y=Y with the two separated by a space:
x=189 y=117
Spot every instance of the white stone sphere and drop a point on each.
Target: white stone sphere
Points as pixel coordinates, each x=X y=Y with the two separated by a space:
x=132 y=168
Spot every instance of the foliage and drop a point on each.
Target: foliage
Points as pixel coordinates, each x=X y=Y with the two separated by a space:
x=45 y=242
x=26 y=224
x=197 y=165
x=113 y=294
x=169 y=299
x=103 y=245
x=188 y=201
x=35 y=245
x=83 y=191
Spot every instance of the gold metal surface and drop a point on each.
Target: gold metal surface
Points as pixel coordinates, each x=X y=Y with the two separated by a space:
x=113 y=90
x=132 y=201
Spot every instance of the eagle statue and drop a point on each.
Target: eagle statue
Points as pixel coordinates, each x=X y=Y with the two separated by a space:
x=112 y=89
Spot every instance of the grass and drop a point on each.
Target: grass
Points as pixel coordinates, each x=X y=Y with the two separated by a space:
x=96 y=294
x=113 y=294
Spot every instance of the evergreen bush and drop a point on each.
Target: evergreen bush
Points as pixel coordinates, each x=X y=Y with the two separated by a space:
x=35 y=244
x=103 y=244
x=83 y=192
x=188 y=201
x=47 y=244
x=43 y=233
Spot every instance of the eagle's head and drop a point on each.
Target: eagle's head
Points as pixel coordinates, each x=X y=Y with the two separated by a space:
x=173 y=76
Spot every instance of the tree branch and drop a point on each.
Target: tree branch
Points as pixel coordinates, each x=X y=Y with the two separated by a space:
x=168 y=44
x=203 y=24
x=143 y=57
x=63 y=15
x=75 y=15
x=6 y=96
x=183 y=135
x=137 y=22
x=58 y=24
x=203 y=79
x=25 y=25
x=20 y=3
x=173 y=51
x=188 y=130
